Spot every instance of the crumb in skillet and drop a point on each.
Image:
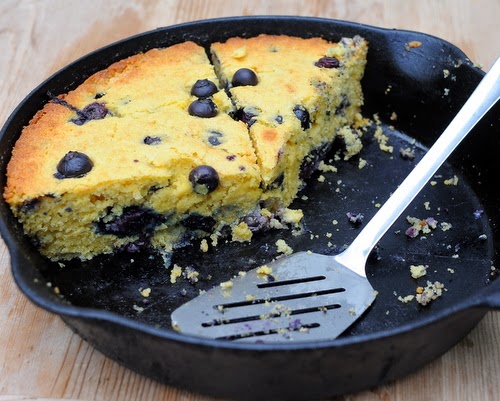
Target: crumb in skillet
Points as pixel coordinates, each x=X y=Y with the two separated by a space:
x=137 y=308
x=412 y=45
x=406 y=299
x=382 y=140
x=451 y=181
x=145 y=292
x=355 y=218
x=283 y=247
x=431 y=292
x=407 y=153
x=175 y=273
x=445 y=226
x=420 y=226
x=242 y=233
x=191 y=275
x=204 y=245
x=418 y=271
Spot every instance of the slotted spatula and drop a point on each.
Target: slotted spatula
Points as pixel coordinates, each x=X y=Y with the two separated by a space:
x=311 y=297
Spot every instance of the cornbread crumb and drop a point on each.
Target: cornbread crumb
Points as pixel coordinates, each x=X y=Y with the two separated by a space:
x=283 y=247
x=145 y=292
x=264 y=270
x=430 y=293
x=445 y=226
x=451 y=181
x=418 y=271
x=382 y=140
x=406 y=299
x=226 y=285
x=242 y=233
x=362 y=163
x=204 y=245
x=137 y=308
x=327 y=167
x=412 y=45
x=175 y=273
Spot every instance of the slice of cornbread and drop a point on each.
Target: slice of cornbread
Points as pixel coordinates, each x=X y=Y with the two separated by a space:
x=120 y=161
x=294 y=94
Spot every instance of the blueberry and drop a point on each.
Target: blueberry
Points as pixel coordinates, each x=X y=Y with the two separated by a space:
x=196 y=221
x=246 y=115
x=73 y=165
x=311 y=162
x=204 y=108
x=303 y=115
x=327 y=62
x=244 y=77
x=204 y=179
x=278 y=182
x=344 y=103
x=29 y=205
x=214 y=138
x=93 y=111
x=133 y=220
x=203 y=88
x=98 y=95
x=257 y=222
x=152 y=140
x=279 y=119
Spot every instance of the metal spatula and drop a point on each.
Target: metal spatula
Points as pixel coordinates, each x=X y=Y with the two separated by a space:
x=311 y=297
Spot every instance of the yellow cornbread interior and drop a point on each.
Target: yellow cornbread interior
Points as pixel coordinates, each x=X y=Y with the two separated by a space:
x=148 y=95
x=288 y=78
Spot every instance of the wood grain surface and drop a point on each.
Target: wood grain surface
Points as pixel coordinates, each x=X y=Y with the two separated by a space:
x=40 y=358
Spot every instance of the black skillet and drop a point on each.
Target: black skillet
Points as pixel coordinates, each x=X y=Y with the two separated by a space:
x=424 y=86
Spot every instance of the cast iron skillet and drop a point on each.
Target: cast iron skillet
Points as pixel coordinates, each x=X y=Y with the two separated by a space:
x=100 y=300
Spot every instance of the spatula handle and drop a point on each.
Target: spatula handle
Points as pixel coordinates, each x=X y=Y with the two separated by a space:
x=482 y=99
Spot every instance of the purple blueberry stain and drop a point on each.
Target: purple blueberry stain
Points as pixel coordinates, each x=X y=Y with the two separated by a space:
x=327 y=62
x=478 y=214
x=93 y=111
x=152 y=140
x=303 y=116
x=355 y=218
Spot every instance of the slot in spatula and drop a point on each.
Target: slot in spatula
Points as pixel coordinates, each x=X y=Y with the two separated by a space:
x=311 y=297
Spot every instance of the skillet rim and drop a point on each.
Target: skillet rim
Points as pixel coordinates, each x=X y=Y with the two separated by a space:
x=481 y=299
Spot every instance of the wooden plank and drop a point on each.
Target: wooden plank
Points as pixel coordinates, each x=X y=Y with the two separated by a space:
x=40 y=358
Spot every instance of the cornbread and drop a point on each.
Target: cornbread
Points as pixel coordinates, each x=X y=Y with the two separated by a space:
x=162 y=147
x=305 y=92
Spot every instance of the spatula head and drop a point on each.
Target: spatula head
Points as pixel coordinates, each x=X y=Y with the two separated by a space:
x=303 y=297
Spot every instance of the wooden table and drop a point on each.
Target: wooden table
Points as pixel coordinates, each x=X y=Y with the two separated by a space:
x=40 y=358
